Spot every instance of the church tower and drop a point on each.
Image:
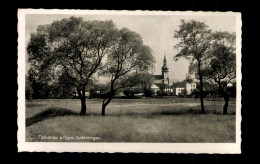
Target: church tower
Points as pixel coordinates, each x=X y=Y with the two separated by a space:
x=165 y=71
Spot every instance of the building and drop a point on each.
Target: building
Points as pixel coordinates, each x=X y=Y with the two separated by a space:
x=185 y=87
x=190 y=87
x=169 y=90
x=179 y=88
x=155 y=88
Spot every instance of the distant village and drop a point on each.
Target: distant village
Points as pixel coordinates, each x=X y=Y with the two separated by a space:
x=161 y=83
x=160 y=86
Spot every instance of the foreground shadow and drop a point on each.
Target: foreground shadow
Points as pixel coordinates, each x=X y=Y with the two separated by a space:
x=49 y=113
x=56 y=112
x=190 y=111
x=170 y=112
x=194 y=112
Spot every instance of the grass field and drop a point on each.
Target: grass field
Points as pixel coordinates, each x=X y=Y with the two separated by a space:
x=130 y=120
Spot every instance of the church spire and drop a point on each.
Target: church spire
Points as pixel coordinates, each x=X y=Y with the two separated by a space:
x=164 y=60
x=164 y=67
x=165 y=71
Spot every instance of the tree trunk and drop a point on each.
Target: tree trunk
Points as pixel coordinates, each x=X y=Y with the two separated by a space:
x=220 y=89
x=83 y=106
x=225 y=107
x=201 y=90
x=226 y=98
x=108 y=98
x=83 y=101
x=104 y=105
x=103 y=112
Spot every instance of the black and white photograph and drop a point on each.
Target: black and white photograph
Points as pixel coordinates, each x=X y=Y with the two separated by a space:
x=129 y=81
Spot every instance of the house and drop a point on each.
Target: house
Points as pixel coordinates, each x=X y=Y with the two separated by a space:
x=179 y=88
x=190 y=86
x=184 y=87
x=179 y=91
x=155 y=88
x=120 y=94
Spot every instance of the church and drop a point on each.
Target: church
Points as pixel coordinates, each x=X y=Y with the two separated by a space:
x=161 y=82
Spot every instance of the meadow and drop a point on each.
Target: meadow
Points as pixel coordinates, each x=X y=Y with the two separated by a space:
x=175 y=120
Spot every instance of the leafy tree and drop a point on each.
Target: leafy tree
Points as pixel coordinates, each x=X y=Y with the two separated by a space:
x=132 y=90
x=71 y=47
x=143 y=85
x=159 y=93
x=221 y=64
x=148 y=92
x=126 y=64
x=40 y=87
x=194 y=40
x=128 y=93
x=64 y=87
x=28 y=89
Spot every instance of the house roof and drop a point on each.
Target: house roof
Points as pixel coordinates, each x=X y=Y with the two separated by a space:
x=154 y=86
x=182 y=84
x=160 y=85
x=179 y=85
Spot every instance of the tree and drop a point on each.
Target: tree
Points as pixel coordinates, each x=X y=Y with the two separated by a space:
x=40 y=87
x=28 y=89
x=145 y=80
x=221 y=67
x=71 y=47
x=194 y=41
x=64 y=87
x=126 y=64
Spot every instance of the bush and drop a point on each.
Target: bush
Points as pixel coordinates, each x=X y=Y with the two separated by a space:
x=195 y=93
x=159 y=93
x=148 y=92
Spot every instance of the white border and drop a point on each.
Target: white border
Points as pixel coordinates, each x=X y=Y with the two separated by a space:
x=221 y=148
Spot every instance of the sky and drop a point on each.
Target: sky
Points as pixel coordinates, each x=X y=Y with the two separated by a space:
x=156 y=30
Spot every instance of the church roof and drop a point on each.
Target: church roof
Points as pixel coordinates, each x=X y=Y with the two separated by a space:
x=158 y=77
x=164 y=67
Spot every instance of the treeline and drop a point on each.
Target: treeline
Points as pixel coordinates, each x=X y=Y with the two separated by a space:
x=39 y=90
